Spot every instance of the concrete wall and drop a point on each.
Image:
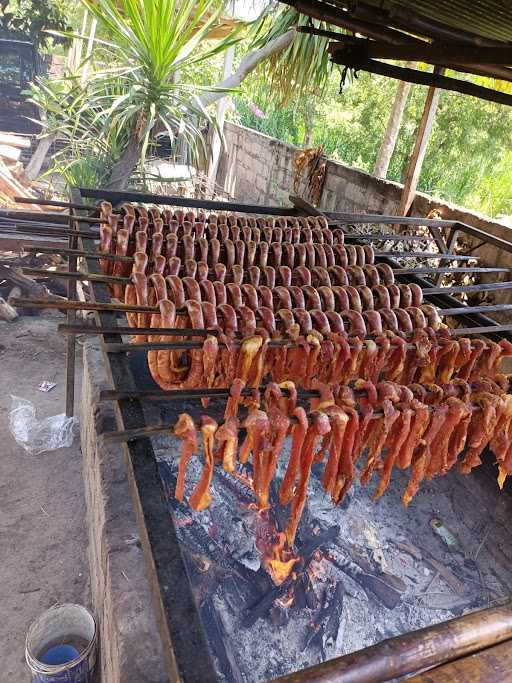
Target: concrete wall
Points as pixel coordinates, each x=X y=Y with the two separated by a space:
x=130 y=645
x=257 y=168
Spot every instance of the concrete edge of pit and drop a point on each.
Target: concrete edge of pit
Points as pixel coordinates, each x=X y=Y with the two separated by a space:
x=130 y=645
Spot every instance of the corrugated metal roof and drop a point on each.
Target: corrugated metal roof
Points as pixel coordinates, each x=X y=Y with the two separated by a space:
x=486 y=18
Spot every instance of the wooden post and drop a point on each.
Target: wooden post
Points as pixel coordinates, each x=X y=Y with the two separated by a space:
x=420 y=147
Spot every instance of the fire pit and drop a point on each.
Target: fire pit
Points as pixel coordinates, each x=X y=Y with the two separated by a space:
x=232 y=591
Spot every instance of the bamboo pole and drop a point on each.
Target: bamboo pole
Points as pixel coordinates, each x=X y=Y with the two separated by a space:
x=414 y=651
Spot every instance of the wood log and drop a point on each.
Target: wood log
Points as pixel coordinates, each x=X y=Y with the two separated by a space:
x=15 y=140
x=414 y=651
x=420 y=77
x=9 y=184
x=493 y=664
x=9 y=152
x=27 y=284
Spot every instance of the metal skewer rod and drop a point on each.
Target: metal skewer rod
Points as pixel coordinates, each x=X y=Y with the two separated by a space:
x=134 y=308
x=373 y=238
x=34 y=249
x=172 y=332
x=77 y=275
x=23 y=302
x=164 y=331
x=150 y=430
x=55 y=232
x=427 y=255
x=115 y=257
x=55 y=202
x=39 y=216
x=26 y=222
x=203 y=392
x=469 y=288
x=184 y=394
x=388 y=237
x=447 y=271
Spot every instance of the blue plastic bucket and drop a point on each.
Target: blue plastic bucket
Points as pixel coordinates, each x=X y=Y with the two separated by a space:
x=61 y=645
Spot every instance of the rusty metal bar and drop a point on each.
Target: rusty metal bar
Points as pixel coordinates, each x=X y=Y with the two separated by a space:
x=188 y=657
x=115 y=257
x=71 y=318
x=55 y=202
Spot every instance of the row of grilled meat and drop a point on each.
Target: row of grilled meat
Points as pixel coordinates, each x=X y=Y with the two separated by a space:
x=423 y=428
x=283 y=301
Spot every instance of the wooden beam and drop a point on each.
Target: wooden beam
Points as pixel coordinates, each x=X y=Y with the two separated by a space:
x=439 y=53
x=418 y=154
x=492 y=70
x=492 y=664
x=421 y=77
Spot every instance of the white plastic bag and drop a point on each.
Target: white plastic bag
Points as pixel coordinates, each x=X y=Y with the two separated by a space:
x=40 y=435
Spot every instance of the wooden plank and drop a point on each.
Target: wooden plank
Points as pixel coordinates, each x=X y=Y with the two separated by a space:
x=418 y=154
x=9 y=152
x=438 y=53
x=14 y=140
x=491 y=665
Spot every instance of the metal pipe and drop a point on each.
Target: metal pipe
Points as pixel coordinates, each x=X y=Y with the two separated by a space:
x=55 y=202
x=413 y=651
x=114 y=257
x=40 y=216
x=172 y=332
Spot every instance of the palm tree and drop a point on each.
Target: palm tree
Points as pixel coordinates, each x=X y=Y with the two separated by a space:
x=136 y=89
x=132 y=93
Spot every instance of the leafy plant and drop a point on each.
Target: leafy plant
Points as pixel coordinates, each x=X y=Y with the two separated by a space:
x=133 y=95
x=30 y=19
x=301 y=69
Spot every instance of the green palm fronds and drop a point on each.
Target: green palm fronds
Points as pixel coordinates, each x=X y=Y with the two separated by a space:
x=132 y=93
x=302 y=68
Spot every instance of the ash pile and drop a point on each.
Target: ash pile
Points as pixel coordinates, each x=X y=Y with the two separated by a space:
x=361 y=573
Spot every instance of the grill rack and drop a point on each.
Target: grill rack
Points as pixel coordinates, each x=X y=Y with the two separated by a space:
x=181 y=626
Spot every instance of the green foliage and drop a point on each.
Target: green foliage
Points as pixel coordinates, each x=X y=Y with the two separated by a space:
x=468 y=159
x=132 y=93
x=303 y=68
x=29 y=19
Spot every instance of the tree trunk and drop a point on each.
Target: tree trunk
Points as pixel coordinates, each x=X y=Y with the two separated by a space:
x=216 y=133
x=309 y=123
x=36 y=162
x=248 y=64
x=391 y=135
x=125 y=166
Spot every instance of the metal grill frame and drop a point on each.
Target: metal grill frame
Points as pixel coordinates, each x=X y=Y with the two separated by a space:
x=188 y=654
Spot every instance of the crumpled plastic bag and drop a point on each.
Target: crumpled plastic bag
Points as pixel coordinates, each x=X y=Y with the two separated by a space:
x=37 y=435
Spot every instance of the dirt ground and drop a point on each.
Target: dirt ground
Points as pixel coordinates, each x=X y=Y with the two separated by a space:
x=43 y=537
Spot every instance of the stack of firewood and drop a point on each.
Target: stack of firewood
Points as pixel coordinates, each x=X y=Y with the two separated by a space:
x=13 y=182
